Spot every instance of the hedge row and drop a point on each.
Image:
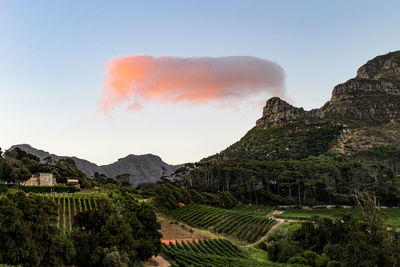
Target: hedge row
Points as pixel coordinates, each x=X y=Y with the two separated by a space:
x=48 y=189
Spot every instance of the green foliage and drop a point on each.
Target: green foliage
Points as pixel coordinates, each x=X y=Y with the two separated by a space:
x=13 y=170
x=322 y=260
x=293 y=140
x=284 y=231
x=345 y=240
x=168 y=196
x=297 y=260
x=113 y=233
x=143 y=222
x=18 y=165
x=48 y=189
x=281 y=250
x=114 y=258
x=308 y=214
x=29 y=235
x=330 y=178
x=100 y=229
x=3 y=187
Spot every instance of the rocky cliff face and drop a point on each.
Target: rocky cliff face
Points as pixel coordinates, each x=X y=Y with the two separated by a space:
x=363 y=114
x=141 y=168
x=386 y=67
x=277 y=111
x=373 y=96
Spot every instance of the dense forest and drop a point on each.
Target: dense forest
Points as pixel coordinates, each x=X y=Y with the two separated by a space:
x=330 y=179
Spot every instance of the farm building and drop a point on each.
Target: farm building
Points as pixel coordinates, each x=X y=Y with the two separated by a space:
x=75 y=182
x=44 y=179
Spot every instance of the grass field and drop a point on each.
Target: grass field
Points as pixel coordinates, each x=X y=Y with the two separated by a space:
x=394 y=217
x=255 y=210
x=304 y=214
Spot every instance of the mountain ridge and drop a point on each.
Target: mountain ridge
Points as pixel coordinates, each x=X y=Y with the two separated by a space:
x=362 y=114
x=378 y=80
x=142 y=168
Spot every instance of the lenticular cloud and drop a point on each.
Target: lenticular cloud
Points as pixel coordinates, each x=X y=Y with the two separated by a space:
x=135 y=80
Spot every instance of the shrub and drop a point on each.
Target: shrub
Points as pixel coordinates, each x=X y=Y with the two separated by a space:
x=333 y=264
x=310 y=257
x=322 y=260
x=227 y=200
x=3 y=187
x=281 y=250
x=334 y=251
x=298 y=260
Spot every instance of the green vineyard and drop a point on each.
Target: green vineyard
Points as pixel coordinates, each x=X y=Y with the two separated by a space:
x=213 y=252
x=69 y=206
x=239 y=224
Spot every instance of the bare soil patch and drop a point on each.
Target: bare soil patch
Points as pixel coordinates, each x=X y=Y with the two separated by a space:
x=156 y=261
x=174 y=230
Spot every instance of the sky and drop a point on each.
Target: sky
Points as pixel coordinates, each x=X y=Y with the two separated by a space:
x=57 y=60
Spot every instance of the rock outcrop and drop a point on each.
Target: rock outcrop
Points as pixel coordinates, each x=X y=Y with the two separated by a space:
x=373 y=96
x=278 y=111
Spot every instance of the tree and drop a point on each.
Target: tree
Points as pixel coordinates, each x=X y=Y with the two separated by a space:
x=114 y=233
x=13 y=170
x=123 y=179
x=29 y=235
x=142 y=221
x=96 y=230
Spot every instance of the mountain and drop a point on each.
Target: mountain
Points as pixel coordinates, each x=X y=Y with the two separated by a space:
x=322 y=156
x=142 y=168
x=361 y=118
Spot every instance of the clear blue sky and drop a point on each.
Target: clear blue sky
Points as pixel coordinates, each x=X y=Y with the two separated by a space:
x=52 y=56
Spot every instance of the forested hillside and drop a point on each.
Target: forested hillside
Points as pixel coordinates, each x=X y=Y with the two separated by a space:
x=324 y=155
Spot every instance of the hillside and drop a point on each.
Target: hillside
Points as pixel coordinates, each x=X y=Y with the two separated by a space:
x=142 y=168
x=350 y=144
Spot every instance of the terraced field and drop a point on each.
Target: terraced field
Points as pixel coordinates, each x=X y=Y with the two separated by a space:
x=69 y=206
x=213 y=252
x=242 y=225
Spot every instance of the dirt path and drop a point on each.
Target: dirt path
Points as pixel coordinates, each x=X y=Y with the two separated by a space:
x=159 y=261
x=279 y=221
x=273 y=214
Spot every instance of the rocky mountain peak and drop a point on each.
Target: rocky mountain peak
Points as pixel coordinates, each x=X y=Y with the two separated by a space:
x=277 y=111
x=373 y=96
x=386 y=67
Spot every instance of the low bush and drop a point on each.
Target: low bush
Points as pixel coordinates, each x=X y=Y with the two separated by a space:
x=297 y=260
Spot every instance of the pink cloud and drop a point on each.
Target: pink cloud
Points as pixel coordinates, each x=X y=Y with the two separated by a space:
x=135 y=80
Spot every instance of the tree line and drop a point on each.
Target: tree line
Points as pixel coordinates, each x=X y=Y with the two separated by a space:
x=331 y=178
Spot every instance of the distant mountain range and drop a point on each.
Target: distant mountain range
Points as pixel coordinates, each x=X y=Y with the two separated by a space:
x=142 y=168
